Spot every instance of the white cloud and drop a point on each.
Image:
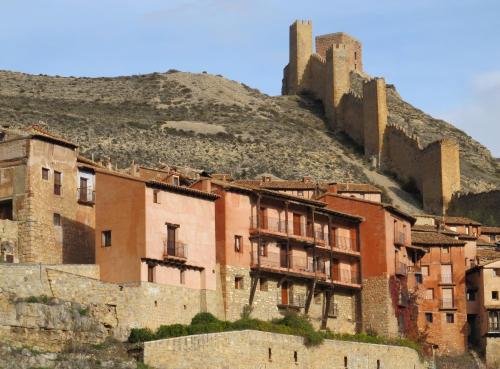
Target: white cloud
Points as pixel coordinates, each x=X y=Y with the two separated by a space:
x=479 y=114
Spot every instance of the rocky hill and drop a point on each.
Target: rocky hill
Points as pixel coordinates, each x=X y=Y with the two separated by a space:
x=206 y=121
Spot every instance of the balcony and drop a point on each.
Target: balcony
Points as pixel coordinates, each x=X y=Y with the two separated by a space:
x=494 y=328
x=414 y=269
x=321 y=237
x=401 y=268
x=345 y=244
x=399 y=238
x=346 y=276
x=86 y=195
x=274 y=225
x=447 y=303
x=290 y=300
x=175 y=250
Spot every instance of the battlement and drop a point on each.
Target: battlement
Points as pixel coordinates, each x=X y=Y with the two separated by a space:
x=359 y=108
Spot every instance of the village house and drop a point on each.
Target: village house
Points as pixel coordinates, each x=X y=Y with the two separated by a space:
x=280 y=252
x=390 y=267
x=442 y=314
x=46 y=199
x=490 y=234
x=483 y=309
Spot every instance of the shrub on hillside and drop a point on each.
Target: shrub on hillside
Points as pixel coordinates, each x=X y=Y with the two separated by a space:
x=204 y=318
x=141 y=335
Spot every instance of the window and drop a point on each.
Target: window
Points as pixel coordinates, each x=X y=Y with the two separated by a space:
x=494 y=321
x=151 y=273
x=447 y=298
x=45 y=174
x=172 y=246
x=450 y=318
x=182 y=277
x=263 y=249
x=238 y=282
x=175 y=180
x=295 y=356
x=496 y=272
x=446 y=249
x=418 y=278
x=429 y=294
x=494 y=295
x=238 y=247
x=471 y=295
x=300 y=193
x=156 y=197
x=345 y=361
x=57 y=183
x=57 y=219
x=6 y=210
x=446 y=274
x=269 y=354
x=263 y=284
x=106 y=238
x=428 y=317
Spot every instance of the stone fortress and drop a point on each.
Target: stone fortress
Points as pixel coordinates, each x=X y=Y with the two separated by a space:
x=333 y=75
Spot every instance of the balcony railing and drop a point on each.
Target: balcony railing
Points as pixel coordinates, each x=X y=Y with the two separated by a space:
x=86 y=195
x=414 y=269
x=346 y=276
x=494 y=327
x=399 y=238
x=175 y=249
x=446 y=278
x=269 y=224
x=345 y=243
x=401 y=268
x=321 y=236
x=296 y=300
x=447 y=303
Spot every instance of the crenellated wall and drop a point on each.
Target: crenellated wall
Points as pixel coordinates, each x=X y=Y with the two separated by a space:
x=362 y=113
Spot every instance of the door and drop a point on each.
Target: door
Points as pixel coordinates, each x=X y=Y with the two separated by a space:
x=296 y=225
x=83 y=189
x=171 y=239
x=284 y=293
x=263 y=218
x=283 y=257
x=335 y=270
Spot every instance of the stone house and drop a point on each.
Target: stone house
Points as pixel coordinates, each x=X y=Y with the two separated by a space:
x=442 y=313
x=46 y=199
x=279 y=252
x=483 y=310
x=390 y=267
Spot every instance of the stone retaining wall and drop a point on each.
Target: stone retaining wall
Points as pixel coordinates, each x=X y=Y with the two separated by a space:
x=256 y=350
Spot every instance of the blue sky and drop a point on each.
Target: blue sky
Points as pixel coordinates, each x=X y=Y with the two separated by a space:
x=443 y=56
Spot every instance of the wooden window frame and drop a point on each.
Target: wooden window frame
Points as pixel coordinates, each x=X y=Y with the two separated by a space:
x=106 y=236
x=45 y=174
x=238 y=244
x=58 y=180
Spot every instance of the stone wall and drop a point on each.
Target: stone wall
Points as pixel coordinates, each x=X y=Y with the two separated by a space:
x=9 y=241
x=482 y=207
x=252 y=349
x=377 y=307
x=136 y=304
x=265 y=303
x=492 y=355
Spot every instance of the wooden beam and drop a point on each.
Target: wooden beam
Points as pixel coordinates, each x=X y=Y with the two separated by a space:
x=328 y=297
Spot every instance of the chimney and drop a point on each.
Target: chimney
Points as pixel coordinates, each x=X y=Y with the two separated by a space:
x=332 y=187
x=206 y=185
x=134 y=169
x=306 y=179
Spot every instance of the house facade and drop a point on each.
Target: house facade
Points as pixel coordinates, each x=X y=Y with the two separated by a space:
x=391 y=267
x=46 y=214
x=279 y=252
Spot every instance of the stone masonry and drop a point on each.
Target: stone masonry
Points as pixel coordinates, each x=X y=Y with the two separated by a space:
x=252 y=349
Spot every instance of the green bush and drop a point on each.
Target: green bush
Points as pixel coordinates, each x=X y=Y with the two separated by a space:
x=204 y=318
x=168 y=331
x=43 y=299
x=141 y=335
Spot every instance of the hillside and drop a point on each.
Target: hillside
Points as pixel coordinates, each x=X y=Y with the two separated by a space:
x=206 y=121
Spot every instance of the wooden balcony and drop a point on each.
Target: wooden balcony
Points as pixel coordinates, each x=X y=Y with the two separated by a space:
x=86 y=196
x=401 y=269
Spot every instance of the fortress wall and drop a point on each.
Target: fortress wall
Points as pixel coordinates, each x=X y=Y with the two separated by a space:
x=316 y=72
x=402 y=154
x=253 y=349
x=351 y=117
x=482 y=207
x=374 y=117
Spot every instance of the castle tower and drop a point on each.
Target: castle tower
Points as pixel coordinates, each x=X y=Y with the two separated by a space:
x=441 y=175
x=352 y=46
x=374 y=118
x=300 y=53
x=337 y=82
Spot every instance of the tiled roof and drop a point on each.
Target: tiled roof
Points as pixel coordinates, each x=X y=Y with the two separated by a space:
x=484 y=243
x=423 y=228
x=490 y=229
x=36 y=131
x=184 y=190
x=433 y=239
x=307 y=185
x=487 y=255
x=459 y=220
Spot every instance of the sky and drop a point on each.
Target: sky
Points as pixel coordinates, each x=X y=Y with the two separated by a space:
x=442 y=55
